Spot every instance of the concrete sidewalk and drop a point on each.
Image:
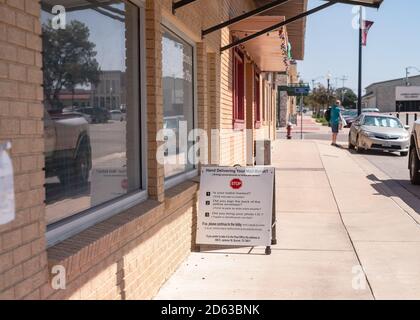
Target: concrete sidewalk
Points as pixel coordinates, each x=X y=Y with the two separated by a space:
x=333 y=217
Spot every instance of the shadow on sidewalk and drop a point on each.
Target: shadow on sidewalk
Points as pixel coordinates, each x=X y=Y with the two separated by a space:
x=399 y=189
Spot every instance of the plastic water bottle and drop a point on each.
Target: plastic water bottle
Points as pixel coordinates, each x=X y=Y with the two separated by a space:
x=7 y=193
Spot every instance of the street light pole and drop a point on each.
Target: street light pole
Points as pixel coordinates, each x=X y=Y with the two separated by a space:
x=328 y=77
x=314 y=80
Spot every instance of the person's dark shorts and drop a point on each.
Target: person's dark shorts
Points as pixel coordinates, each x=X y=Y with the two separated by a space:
x=335 y=127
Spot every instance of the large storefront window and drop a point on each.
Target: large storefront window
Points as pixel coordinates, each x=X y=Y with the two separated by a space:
x=92 y=105
x=178 y=102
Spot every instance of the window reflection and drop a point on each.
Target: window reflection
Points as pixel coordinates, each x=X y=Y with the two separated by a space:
x=91 y=99
x=178 y=101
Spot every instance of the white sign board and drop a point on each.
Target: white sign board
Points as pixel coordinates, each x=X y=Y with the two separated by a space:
x=408 y=93
x=7 y=191
x=236 y=206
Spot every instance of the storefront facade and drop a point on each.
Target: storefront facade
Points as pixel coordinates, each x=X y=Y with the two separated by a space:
x=105 y=187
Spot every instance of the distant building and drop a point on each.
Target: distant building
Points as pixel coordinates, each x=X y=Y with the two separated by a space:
x=394 y=95
x=78 y=98
x=109 y=93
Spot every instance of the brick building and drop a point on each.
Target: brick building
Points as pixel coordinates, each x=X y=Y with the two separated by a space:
x=104 y=202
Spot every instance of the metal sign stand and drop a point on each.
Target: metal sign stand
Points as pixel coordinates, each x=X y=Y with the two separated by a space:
x=274 y=220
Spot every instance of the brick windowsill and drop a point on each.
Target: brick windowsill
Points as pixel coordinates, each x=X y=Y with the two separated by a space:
x=83 y=251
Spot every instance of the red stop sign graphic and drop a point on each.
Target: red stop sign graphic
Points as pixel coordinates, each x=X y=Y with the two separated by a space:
x=236 y=184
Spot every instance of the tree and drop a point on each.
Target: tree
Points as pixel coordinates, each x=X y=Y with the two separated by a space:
x=69 y=60
x=347 y=96
x=320 y=97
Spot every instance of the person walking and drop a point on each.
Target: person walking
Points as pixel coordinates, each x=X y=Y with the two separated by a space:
x=335 y=120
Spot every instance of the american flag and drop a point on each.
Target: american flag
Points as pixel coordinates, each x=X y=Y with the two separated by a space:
x=366 y=27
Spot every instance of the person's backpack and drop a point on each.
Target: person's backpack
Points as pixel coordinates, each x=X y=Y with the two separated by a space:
x=327 y=115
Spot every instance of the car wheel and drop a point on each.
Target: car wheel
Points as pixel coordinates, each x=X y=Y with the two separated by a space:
x=351 y=145
x=82 y=165
x=414 y=167
x=404 y=154
x=77 y=171
x=65 y=177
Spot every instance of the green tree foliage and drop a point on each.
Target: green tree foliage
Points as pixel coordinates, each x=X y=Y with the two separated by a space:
x=349 y=97
x=320 y=98
x=68 y=60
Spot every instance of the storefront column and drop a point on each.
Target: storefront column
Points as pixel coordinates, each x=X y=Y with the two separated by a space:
x=156 y=173
x=213 y=107
x=202 y=96
x=250 y=114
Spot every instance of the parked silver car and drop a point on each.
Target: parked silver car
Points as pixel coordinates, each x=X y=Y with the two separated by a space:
x=372 y=131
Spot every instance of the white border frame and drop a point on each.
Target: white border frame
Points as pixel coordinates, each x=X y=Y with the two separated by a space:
x=190 y=174
x=66 y=228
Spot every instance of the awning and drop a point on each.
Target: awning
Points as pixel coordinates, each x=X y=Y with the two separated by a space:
x=296 y=30
x=266 y=51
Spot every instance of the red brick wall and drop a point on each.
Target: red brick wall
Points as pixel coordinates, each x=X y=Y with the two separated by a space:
x=130 y=255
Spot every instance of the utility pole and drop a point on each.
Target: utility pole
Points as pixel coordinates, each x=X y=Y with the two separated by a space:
x=407 y=73
x=336 y=81
x=344 y=79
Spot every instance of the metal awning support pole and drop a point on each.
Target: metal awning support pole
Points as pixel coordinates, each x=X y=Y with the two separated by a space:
x=277 y=26
x=244 y=16
x=359 y=89
x=358 y=3
x=180 y=4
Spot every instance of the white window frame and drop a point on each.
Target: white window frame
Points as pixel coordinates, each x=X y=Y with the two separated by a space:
x=192 y=173
x=79 y=222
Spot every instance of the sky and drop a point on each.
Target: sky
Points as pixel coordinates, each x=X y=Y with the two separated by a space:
x=332 y=43
x=110 y=46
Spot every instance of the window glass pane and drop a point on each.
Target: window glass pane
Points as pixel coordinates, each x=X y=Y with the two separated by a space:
x=91 y=67
x=178 y=102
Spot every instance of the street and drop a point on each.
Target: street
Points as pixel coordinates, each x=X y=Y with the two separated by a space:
x=395 y=167
x=392 y=167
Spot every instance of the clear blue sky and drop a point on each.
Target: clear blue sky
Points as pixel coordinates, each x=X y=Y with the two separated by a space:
x=332 y=43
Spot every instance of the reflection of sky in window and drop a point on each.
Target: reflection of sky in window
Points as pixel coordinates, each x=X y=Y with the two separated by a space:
x=173 y=65
x=108 y=34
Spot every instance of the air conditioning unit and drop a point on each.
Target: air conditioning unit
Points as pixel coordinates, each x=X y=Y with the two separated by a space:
x=263 y=152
